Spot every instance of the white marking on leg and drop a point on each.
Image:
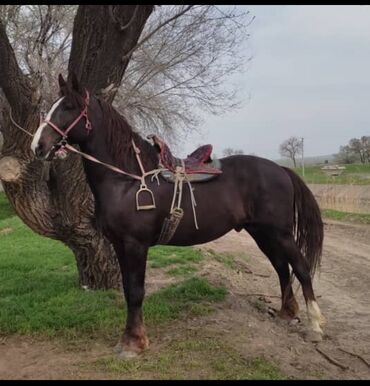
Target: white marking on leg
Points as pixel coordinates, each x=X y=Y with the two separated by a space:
x=315 y=316
x=38 y=133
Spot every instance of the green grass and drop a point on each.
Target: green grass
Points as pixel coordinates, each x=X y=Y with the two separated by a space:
x=183 y=270
x=169 y=303
x=39 y=296
x=355 y=174
x=181 y=261
x=224 y=258
x=195 y=357
x=39 y=292
x=6 y=210
x=227 y=259
x=163 y=256
x=38 y=288
x=346 y=216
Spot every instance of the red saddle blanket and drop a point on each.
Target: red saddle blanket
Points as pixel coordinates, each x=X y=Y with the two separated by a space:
x=199 y=161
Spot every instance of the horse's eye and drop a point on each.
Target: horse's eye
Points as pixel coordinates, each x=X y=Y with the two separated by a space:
x=68 y=106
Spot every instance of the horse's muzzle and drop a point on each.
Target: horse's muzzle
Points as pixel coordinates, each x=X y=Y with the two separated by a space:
x=44 y=155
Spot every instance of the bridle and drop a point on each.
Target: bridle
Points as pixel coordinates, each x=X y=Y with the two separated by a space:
x=61 y=145
x=170 y=226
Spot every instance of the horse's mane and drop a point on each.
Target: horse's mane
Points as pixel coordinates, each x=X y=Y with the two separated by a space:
x=119 y=135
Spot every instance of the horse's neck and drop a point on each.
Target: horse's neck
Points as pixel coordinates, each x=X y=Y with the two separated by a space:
x=97 y=147
x=96 y=174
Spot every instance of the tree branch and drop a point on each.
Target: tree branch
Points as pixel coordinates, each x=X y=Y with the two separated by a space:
x=91 y=58
x=332 y=360
x=147 y=37
x=15 y=85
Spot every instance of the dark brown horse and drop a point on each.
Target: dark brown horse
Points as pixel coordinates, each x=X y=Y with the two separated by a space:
x=270 y=202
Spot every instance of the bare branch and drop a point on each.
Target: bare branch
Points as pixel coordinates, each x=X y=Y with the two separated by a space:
x=175 y=73
x=147 y=37
x=367 y=363
x=182 y=69
x=332 y=360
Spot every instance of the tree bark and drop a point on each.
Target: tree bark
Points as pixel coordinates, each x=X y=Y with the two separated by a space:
x=98 y=53
x=53 y=198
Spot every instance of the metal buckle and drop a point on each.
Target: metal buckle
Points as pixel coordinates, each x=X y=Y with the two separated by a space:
x=63 y=142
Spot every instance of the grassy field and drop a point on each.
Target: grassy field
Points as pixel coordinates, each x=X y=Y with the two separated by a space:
x=356 y=174
x=346 y=216
x=39 y=297
x=39 y=293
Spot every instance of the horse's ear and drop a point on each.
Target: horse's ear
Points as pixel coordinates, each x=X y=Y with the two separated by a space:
x=75 y=82
x=62 y=84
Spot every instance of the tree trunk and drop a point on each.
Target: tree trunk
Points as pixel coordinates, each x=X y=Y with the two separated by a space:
x=362 y=158
x=53 y=198
x=98 y=53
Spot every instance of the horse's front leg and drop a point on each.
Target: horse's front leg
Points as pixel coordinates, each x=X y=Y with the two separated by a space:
x=132 y=260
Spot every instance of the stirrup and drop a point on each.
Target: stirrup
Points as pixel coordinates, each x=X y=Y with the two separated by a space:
x=143 y=189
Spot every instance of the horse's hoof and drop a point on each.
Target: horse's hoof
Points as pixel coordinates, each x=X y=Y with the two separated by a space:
x=314 y=336
x=127 y=355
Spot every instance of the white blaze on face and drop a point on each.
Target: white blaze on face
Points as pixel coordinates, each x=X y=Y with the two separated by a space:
x=38 y=133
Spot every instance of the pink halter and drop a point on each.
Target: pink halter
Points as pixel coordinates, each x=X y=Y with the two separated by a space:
x=74 y=123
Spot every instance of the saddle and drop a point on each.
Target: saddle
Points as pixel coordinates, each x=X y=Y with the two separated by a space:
x=198 y=166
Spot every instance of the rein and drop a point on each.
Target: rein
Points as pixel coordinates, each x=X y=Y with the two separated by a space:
x=63 y=145
x=176 y=213
x=155 y=172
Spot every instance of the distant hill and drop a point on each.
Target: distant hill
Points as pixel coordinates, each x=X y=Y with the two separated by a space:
x=320 y=159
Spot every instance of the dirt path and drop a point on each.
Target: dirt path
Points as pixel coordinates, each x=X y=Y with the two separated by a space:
x=342 y=288
x=242 y=321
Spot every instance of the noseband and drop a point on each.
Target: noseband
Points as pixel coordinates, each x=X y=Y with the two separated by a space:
x=63 y=142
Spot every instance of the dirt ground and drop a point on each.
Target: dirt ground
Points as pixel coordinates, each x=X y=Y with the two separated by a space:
x=243 y=320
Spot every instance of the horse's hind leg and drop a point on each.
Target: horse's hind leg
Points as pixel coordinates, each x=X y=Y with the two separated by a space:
x=289 y=306
x=302 y=272
x=280 y=246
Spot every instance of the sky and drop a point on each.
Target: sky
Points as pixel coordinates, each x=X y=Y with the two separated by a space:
x=309 y=77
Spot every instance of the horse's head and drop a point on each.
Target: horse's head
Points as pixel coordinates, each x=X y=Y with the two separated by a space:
x=67 y=120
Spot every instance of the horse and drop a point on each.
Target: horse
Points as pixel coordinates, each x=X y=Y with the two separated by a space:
x=270 y=202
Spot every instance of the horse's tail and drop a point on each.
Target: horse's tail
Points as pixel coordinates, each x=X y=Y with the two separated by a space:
x=308 y=227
